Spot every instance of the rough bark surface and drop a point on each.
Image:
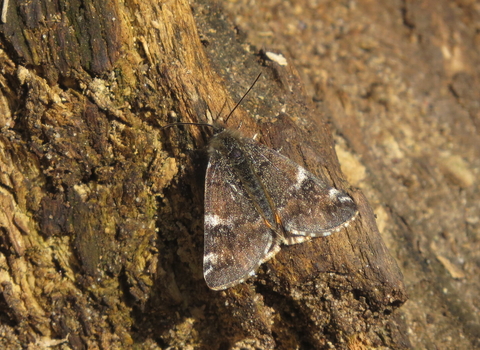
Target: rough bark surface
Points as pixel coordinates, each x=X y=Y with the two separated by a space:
x=101 y=224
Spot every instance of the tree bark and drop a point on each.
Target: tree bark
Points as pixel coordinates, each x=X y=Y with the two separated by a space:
x=102 y=221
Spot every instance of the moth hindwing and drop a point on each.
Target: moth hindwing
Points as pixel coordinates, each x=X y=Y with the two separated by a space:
x=257 y=199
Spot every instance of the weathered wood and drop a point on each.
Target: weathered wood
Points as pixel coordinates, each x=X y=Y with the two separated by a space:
x=102 y=224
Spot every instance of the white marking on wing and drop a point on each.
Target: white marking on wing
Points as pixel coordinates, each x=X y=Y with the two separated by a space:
x=211 y=258
x=333 y=193
x=212 y=220
x=301 y=177
x=207 y=271
x=345 y=198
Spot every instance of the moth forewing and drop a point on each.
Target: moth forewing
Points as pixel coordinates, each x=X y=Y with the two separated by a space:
x=231 y=252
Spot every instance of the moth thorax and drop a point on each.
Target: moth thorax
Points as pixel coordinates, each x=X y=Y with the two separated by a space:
x=237 y=156
x=230 y=146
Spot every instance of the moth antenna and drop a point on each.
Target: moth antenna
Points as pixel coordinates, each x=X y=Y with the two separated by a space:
x=227 y=117
x=243 y=97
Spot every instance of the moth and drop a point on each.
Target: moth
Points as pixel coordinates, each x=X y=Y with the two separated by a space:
x=257 y=199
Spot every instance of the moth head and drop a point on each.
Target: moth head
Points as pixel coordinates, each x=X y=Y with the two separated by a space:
x=227 y=142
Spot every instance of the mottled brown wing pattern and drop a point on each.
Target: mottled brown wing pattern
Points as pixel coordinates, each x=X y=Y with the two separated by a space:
x=237 y=240
x=307 y=206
